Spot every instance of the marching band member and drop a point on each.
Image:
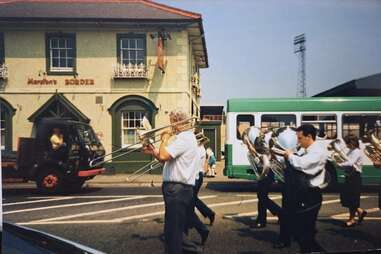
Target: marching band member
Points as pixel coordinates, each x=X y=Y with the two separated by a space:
x=378 y=165
x=179 y=173
x=194 y=220
x=310 y=169
x=351 y=190
x=200 y=205
x=264 y=202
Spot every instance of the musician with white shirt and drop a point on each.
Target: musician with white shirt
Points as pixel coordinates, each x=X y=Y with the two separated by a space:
x=351 y=189
x=179 y=174
x=309 y=172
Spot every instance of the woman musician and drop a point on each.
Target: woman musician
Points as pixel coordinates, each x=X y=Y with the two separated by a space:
x=351 y=190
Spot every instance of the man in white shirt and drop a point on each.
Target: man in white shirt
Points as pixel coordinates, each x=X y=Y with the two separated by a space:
x=179 y=174
x=309 y=170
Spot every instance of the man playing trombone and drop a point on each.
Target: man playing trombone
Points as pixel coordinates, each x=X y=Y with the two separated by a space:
x=179 y=174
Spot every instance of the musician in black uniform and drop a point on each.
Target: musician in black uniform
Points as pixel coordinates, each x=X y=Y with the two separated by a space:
x=264 y=202
x=309 y=172
x=378 y=165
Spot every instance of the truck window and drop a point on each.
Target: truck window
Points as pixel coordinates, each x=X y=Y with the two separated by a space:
x=326 y=124
x=244 y=121
x=274 y=121
x=87 y=135
x=359 y=125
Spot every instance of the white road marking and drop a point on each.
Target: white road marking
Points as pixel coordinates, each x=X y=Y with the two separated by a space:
x=274 y=198
x=109 y=210
x=72 y=205
x=246 y=201
x=37 y=201
x=123 y=219
x=104 y=196
x=345 y=215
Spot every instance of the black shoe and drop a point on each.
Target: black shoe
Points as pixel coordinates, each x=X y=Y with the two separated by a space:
x=258 y=225
x=204 y=236
x=361 y=217
x=212 y=218
x=281 y=245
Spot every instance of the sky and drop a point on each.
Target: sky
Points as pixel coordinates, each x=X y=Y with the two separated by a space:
x=251 y=52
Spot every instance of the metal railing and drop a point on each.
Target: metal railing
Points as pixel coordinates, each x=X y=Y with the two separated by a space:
x=3 y=71
x=123 y=71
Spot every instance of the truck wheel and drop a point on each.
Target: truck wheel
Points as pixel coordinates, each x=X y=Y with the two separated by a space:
x=50 y=181
x=74 y=186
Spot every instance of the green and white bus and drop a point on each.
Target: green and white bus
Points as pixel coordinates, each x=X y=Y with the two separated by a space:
x=335 y=117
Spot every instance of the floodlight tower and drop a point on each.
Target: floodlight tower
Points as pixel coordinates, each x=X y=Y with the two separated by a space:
x=299 y=50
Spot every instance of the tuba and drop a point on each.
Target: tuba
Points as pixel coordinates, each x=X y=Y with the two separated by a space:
x=373 y=150
x=282 y=139
x=257 y=155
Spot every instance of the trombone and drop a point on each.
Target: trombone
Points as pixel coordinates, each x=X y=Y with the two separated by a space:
x=145 y=137
x=152 y=165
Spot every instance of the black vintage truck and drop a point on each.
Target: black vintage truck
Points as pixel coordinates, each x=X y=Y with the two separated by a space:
x=36 y=160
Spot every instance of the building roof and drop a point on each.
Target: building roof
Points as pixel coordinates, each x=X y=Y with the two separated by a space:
x=366 y=86
x=139 y=12
x=312 y=104
x=212 y=110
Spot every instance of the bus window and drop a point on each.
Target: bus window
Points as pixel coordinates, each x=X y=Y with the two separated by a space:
x=269 y=122
x=359 y=125
x=326 y=125
x=244 y=121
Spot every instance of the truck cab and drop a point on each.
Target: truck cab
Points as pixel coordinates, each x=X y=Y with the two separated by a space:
x=64 y=169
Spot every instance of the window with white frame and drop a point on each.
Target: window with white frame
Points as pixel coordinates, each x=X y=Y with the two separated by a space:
x=131 y=121
x=244 y=120
x=326 y=124
x=360 y=124
x=274 y=121
x=2 y=128
x=2 y=55
x=61 y=52
x=132 y=49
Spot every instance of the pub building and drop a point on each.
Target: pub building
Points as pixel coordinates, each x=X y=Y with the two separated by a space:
x=104 y=62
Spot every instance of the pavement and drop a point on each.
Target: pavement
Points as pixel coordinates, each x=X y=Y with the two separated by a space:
x=110 y=179
x=152 y=179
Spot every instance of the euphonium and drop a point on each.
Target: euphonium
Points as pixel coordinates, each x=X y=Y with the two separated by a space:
x=338 y=152
x=282 y=139
x=258 y=152
x=373 y=150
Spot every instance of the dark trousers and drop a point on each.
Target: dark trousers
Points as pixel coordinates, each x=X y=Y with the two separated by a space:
x=193 y=219
x=177 y=199
x=287 y=214
x=200 y=205
x=307 y=210
x=264 y=202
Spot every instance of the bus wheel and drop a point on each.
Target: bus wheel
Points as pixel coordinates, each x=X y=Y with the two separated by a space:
x=50 y=181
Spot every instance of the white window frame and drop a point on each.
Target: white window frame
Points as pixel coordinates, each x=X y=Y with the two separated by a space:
x=128 y=59
x=135 y=128
x=58 y=48
x=318 y=121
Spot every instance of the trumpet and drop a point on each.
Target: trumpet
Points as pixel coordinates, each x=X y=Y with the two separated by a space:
x=145 y=137
x=373 y=150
